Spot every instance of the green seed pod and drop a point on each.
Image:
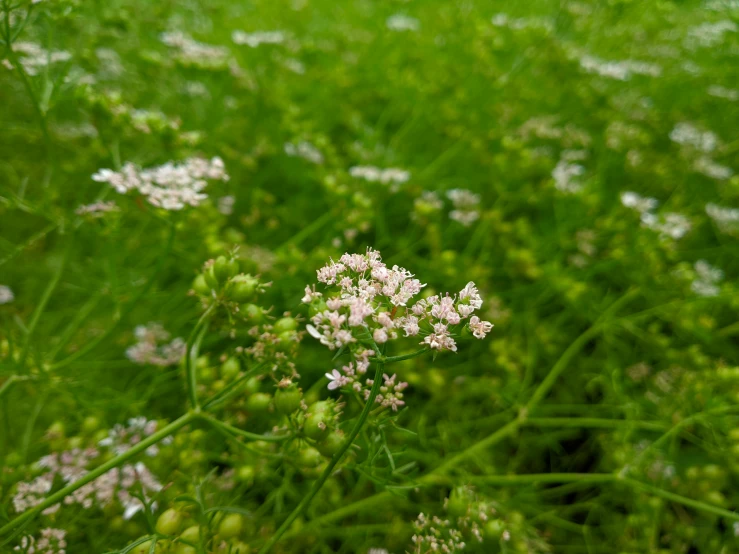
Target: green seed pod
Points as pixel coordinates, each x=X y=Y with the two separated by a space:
x=285 y=324
x=169 y=523
x=459 y=502
x=252 y=313
x=322 y=406
x=242 y=287
x=245 y=474
x=200 y=285
x=191 y=534
x=230 y=526
x=309 y=457
x=144 y=548
x=287 y=400
x=230 y=369
x=494 y=529
x=332 y=443
x=224 y=269
x=239 y=547
x=209 y=275
x=259 y=401
x=90 y=424
x=316 y=425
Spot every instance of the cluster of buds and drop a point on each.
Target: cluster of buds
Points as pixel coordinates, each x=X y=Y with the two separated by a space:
x=436 y=535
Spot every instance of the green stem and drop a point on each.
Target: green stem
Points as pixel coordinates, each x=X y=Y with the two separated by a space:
x=100 y=470
x=240 y=432
x=232 y=388
x=42 y=304
x=534 y=478
x=593 y=422
x=318 y=484
x=391 y=359
x=134 y=303
x=191 y=356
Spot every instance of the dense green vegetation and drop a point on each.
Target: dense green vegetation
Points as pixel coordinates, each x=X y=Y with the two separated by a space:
x=173 y=175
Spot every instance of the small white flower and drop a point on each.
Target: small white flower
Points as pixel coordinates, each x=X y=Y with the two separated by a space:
x=6 y=295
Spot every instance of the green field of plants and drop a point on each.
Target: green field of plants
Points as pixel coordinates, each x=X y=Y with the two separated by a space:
x=369 y=277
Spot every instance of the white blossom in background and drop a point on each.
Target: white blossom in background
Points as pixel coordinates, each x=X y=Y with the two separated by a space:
x=466 y=206
x=400 y=22
x=706 y=279
x=97 y=209
x=709 y=168
x=518 y=24
x=152 y=346
x=190 y=52
x=669 y=225
x=426 y=204
x=169 y=186
x=723 y=92
x=121 y=438
x=709 y=34
x=226 y=204
x=72 y=465
x=619 y=70
x=391 y=176
x=687 y=134
x=639 y=203
x=34 y=58
x=50 y=541
x=305 y=150
x=726 y=219
x=257 y=38
x=6 y=295
x=567 y=175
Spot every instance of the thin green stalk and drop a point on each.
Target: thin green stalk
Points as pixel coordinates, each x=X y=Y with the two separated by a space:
x=535 y=478
x=697 y=504
x=232 y=388
x=42 y=304
x=336 y=458
x=127 y=311
x=100 y=470
x=593 y=422
x=391 y=359
x=240 y=432
x=191 y=356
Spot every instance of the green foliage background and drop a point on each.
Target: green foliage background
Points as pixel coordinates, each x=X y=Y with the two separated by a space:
x=636 y=351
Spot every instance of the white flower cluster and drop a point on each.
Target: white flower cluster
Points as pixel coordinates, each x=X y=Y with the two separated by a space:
x=466 y=206
x=400 y=22
x=709 y=168
x=150 y=350
x=34 y=58
x=51 y=541
x=257 y=38
x=70 y=466
x=121 y=438
x=391 y=391
x=369 y=302
x=709 y=34
x=97 y=209
x=6 y=295
x=706 y=279
x=390 y=176
x=668 y=225
x=190 y=52
x=619 y=70
x=305 y=150
x=726 y=219
x=518 y=24
x=722 y=92
x=436 y=535
x=567 y=175
x=169 y=186
x=687 y=134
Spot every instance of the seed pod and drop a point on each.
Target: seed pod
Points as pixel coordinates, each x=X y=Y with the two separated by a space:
x=242 y=287
x=309 y=457
x=332 y=443
x=259 y=402
x=200 y=285
x=316 y=425
x=230 y=526
x=169 y=523
x=230 y=369
x=287 y=400
x=285 y=324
